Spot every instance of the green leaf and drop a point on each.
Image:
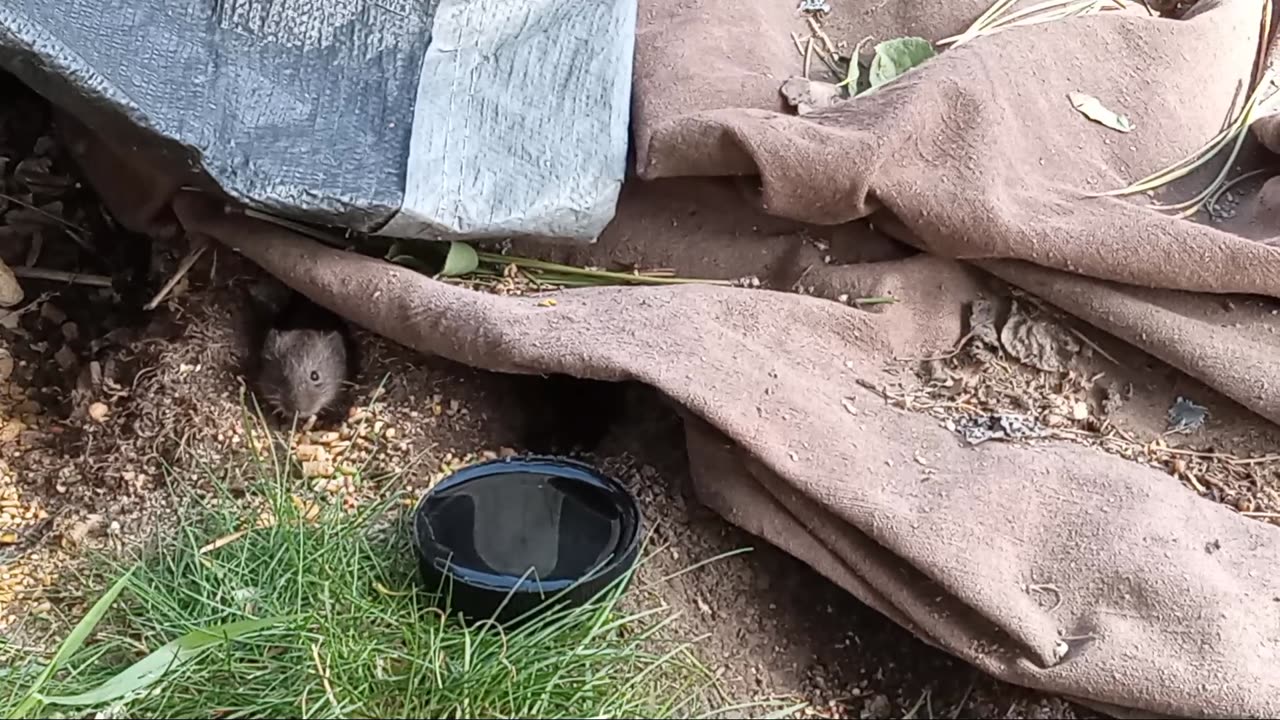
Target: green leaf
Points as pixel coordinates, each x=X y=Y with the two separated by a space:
x=71 y=645
x=462 y=259
x=895 y=57
x=169 y=656
x=853 y=72
x=1092 y=108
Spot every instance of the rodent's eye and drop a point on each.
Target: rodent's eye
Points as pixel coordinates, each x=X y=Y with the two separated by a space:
x=315 y=376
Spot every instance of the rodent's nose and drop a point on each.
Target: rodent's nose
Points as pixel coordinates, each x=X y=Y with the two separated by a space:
x=305 y=405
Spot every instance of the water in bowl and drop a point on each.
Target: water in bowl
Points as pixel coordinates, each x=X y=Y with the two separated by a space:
x=499 y=527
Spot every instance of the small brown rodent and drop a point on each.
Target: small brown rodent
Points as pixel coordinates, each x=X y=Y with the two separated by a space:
x=305 y=361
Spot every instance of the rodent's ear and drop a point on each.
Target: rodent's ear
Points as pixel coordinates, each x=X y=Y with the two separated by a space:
x=335 y=337
x=273 y=343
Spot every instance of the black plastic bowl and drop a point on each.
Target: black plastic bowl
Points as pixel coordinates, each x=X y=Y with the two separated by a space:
x=501 y=538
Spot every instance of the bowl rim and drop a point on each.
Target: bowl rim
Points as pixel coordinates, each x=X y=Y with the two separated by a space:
x=625 y=551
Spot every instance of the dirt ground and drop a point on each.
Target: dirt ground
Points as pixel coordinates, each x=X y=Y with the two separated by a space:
x=772 y=626
x=99 y=398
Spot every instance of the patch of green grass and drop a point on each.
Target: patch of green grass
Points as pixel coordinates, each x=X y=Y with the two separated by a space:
x=345 y=631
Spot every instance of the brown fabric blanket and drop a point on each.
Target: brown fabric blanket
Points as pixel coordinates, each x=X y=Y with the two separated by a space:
x=975 y=156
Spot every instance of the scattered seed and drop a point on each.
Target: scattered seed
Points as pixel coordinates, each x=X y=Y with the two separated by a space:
x=99 y=411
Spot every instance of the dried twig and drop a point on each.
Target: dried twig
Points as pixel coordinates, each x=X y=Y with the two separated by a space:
x=1096 y=347
x=1228 y=459
x=829 y=61
x=33 y=251
x=960 y=707
x=955 y=350
x=822 y=35
x=76 y=232
x=324 y=675
x=795 y=38
x=198 y=248
x=1052 y=590
x=62 y=276
x=223 y=541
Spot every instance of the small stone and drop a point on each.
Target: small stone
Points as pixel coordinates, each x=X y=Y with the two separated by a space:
x=53 y=313
x=1079 y=410
x=65 y=357
x=77 y=533
x=11 y=430
x=6 y=365
x=306 y=452
x=878 y=707
x=317 y=468
x=1060 y=650
x=390 y=433
x=99 y=411
x=10 y=291
x=70 y=331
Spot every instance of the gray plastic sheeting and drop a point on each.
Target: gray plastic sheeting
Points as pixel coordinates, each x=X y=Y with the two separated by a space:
x=476 y=118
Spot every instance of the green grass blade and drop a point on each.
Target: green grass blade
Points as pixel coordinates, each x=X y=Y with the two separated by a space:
x=1213 y=200
x=165 y=658
x=1042 y=7
x=980 y=24
x=1208 y=192
x=1255 y=106
x=385 y=654
x=601 y=274
x=71 y=645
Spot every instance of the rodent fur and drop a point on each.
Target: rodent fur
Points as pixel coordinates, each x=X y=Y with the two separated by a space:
x=305 y=360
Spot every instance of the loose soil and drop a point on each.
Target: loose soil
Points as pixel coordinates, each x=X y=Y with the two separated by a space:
x=103 y=406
